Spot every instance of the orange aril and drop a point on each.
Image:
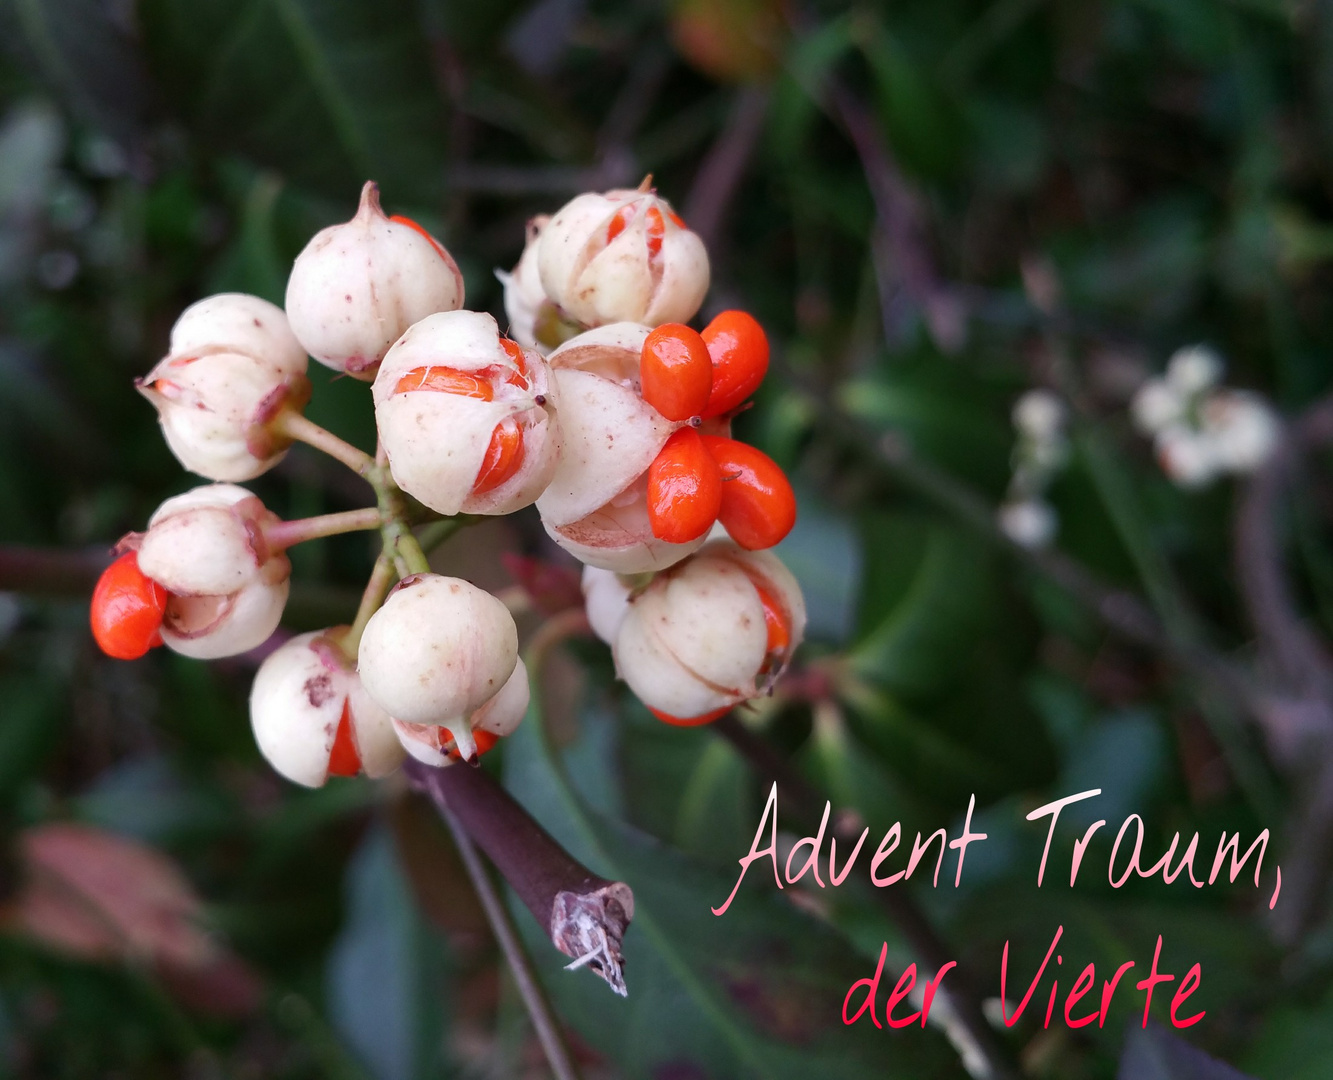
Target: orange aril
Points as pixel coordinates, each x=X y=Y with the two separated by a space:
x=684 y=489
x=504 y=457
x=675 y=371
x=758 y=505
x=445 y=380
x=127 y=609
x=344 y=760
x=738 y=348
x=690 y=721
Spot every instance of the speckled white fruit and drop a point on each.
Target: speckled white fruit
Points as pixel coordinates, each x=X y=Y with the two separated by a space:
x=695 y=639
x=297 y=703
x=437 y=651
x=437 y=441
x=233 y=366
x=500 y=717
x=358 y=286
x=227 y=590
x=653 y=270
x=245 y=323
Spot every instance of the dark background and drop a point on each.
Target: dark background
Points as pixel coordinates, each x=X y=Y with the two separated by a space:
x=932 y=206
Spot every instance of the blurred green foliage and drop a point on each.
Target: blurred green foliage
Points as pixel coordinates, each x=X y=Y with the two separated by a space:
x=1165 y=168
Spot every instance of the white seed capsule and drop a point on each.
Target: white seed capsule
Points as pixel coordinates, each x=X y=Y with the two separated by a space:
x=594 y=507
x=233 y=366
x=495 y=719
x=312 y=718
x=622 y=257
x=526 y=302
x=227 y=590
x=466 y=416
x=710 y=632
x=358 y=286
x=437 y=651
x=606 y=599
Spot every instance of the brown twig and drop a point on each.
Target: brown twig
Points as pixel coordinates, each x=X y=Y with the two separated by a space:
x=539 y=1009
x=904 y=264
x=1299 y=723
x=911 y=922
x=51 y=571
x=723 y=167
x=585 y=916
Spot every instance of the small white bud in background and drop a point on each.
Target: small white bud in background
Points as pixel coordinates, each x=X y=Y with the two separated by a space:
x=1243 y=428
x=227 y=591
x=358 y=286
x=312 y=718
x=1030 y=523
x=1193 y=369
x=466 y=416
x=1039 y=415
x=233 y=366
x=497 y=718
x=437 y=651
x=710 y=632
x=623 y=256
x=1156 y=405
x=1188 y=457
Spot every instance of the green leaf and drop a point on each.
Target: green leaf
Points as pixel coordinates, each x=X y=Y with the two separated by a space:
x=383 y=970
x=753 y=993
x=328 y=92
x=928 y=592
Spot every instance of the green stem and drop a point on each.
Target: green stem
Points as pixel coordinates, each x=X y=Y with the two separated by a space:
x=399 y=542
x=287 y=533
x=377 y=588
x=296 y=426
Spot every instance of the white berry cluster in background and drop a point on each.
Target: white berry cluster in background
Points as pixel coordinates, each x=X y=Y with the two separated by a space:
x=1200 y=429
x=599 y=405
x=1026 y=516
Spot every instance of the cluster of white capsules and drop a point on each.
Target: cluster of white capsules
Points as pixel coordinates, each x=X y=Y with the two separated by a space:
x=1026 y=516
x=604 y=409
x=1200 y=429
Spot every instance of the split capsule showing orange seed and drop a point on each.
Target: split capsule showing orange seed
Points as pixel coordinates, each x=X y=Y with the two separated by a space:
x=758 y=505
x=684 y=489
x=504 y=457
x=676 y=371
x=690 y=721
x=738 y=348
x=344 y=758
x=127 y=610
